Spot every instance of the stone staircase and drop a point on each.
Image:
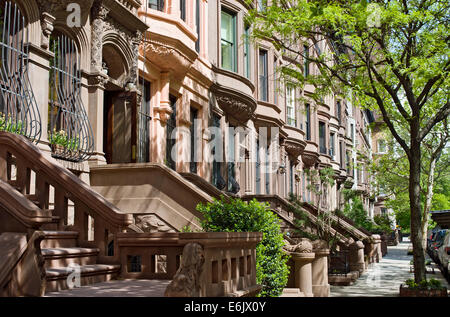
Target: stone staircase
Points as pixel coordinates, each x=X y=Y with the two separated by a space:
x=63 y=258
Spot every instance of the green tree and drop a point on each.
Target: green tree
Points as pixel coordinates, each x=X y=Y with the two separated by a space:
x=391 y=171
x=234 y=215
x=389 y=55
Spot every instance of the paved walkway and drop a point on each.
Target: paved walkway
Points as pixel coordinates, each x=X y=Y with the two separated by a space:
x=117 y=288
x=384 y=278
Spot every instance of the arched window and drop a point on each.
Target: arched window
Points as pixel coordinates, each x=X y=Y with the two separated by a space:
x=70 y=132
x=19 y=112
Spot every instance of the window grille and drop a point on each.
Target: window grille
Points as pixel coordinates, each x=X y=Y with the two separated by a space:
x=19 y=112
x=70 y=132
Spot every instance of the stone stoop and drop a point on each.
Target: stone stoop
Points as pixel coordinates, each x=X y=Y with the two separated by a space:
x=63 y=260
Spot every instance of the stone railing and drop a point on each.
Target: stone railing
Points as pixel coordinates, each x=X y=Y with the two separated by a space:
x=46 y=184
x=21 y=265
x=218 y=264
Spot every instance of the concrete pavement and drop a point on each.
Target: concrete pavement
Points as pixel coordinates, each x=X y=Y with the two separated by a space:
x=384 y=278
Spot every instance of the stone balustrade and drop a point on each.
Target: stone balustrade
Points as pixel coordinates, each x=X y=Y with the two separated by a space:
x=229 y=267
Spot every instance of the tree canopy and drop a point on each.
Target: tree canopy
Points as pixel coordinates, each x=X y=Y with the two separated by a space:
x=391 y=56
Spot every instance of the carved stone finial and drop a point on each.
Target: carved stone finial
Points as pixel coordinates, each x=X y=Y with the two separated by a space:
x=186 y=282
x=304 y=246
x=320 y=245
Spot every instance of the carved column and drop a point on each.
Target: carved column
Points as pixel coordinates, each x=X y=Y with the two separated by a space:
x=161 y=114
x=134 y=69
x=320 y=285
x=98 y=15
x=97 y=81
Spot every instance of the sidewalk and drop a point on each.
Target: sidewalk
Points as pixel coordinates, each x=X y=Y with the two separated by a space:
x=117 y=288
x=384 y=278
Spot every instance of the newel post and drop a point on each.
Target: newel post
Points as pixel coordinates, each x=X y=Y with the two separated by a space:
x=320 y=286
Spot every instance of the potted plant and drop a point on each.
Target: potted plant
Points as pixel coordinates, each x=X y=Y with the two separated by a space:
x=9 y=126
x=58 y=141
x=431 y=288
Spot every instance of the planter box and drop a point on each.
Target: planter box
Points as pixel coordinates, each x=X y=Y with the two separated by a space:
x=407 y=292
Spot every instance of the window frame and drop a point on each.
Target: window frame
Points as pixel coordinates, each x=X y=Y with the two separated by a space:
x=232 y=44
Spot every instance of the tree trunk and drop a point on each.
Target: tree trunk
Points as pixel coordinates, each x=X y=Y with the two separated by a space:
x=428 y=201
x=416 y=212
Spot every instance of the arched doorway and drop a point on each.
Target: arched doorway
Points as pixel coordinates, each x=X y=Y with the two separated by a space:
x=119 y=119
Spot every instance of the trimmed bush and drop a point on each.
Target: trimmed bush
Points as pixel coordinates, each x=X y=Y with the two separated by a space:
x=235 y=215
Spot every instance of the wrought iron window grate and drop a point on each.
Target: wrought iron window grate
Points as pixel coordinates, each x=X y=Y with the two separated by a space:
x=19 y=112
x=70 y=132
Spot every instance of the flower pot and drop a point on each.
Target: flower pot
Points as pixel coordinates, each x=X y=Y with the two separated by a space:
x=58 y=149
x=405 y=291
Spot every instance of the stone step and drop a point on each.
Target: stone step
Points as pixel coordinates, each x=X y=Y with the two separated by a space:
x=63 y=257
x=59 y=239
x=88 y=274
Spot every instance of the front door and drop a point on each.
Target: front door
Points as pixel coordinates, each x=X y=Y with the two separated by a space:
x=120 y=127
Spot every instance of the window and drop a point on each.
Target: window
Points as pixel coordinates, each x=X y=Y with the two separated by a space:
x=305 y=60
x=322 y=143
x=193 y=164
x=228 y=41
x=290 y=105
x=197 y=23
x=267 y=170
x=338 y=111
x=275 y=83
x=352 y=133
x=291 y=177
x=144 y=122
x=341 y=154
x=347 y=160
x=258 y=169
x=171 y=126
x=156 y=4
x=247 y=69
x=262 y=4
x=183 y=10
x=332 y=149
x=231 y=159
x=383 y=211
x=216 y=176
x=308 y=121
x=382 y=148
x=263 y=75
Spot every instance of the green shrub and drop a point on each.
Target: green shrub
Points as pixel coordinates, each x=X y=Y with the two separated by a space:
x=424 y=284
x=234 y=215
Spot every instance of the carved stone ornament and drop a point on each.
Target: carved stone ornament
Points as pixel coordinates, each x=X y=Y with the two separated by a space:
x=186 y=282
x=151 y=223
x=304 y=246
x=47 y=21
x=238 y=109
x=294 y=148
x=309 y=158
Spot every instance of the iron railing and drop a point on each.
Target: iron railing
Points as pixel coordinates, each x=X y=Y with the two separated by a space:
x=70 y=132
x=19 y=112
x=339 y=262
